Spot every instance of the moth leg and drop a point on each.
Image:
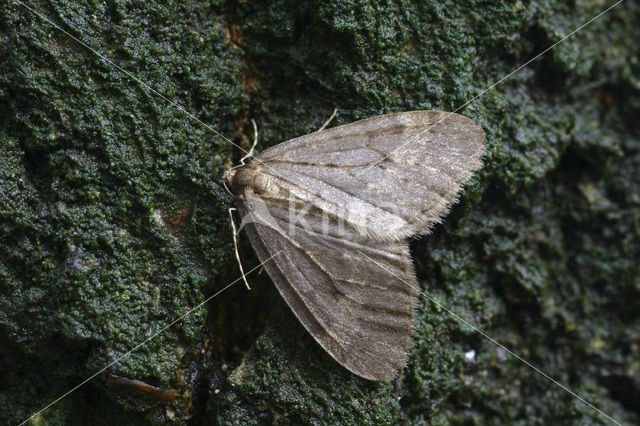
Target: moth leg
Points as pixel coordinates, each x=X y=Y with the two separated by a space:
x=326 y=123
x=235 y=247
x=255 y=142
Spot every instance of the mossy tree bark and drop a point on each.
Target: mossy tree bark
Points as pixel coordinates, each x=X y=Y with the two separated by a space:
x=113 y=222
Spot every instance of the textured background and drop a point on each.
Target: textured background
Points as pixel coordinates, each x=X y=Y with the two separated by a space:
x=113 y=221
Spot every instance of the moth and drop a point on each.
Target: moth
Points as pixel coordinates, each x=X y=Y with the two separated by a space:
x=331 y=213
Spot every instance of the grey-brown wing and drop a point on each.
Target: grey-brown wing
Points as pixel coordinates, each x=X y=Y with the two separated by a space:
x=356 y=297
x=389 y=177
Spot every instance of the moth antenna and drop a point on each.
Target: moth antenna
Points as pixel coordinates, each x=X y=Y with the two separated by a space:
x=235 y=248
x=326 y=123
x=255 y=142
x=224 y=183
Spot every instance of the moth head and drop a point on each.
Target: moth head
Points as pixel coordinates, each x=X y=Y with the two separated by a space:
x=228 y=175
x=249 y=176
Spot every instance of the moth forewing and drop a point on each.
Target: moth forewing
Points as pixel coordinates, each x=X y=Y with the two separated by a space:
x=416 y=161
x=337 y=206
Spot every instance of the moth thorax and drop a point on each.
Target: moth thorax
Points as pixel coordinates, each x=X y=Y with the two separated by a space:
x=251 y=176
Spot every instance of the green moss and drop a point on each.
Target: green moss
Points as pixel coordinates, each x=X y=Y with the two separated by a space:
x=286 y=376
x=541 y=253
x=97 y=174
